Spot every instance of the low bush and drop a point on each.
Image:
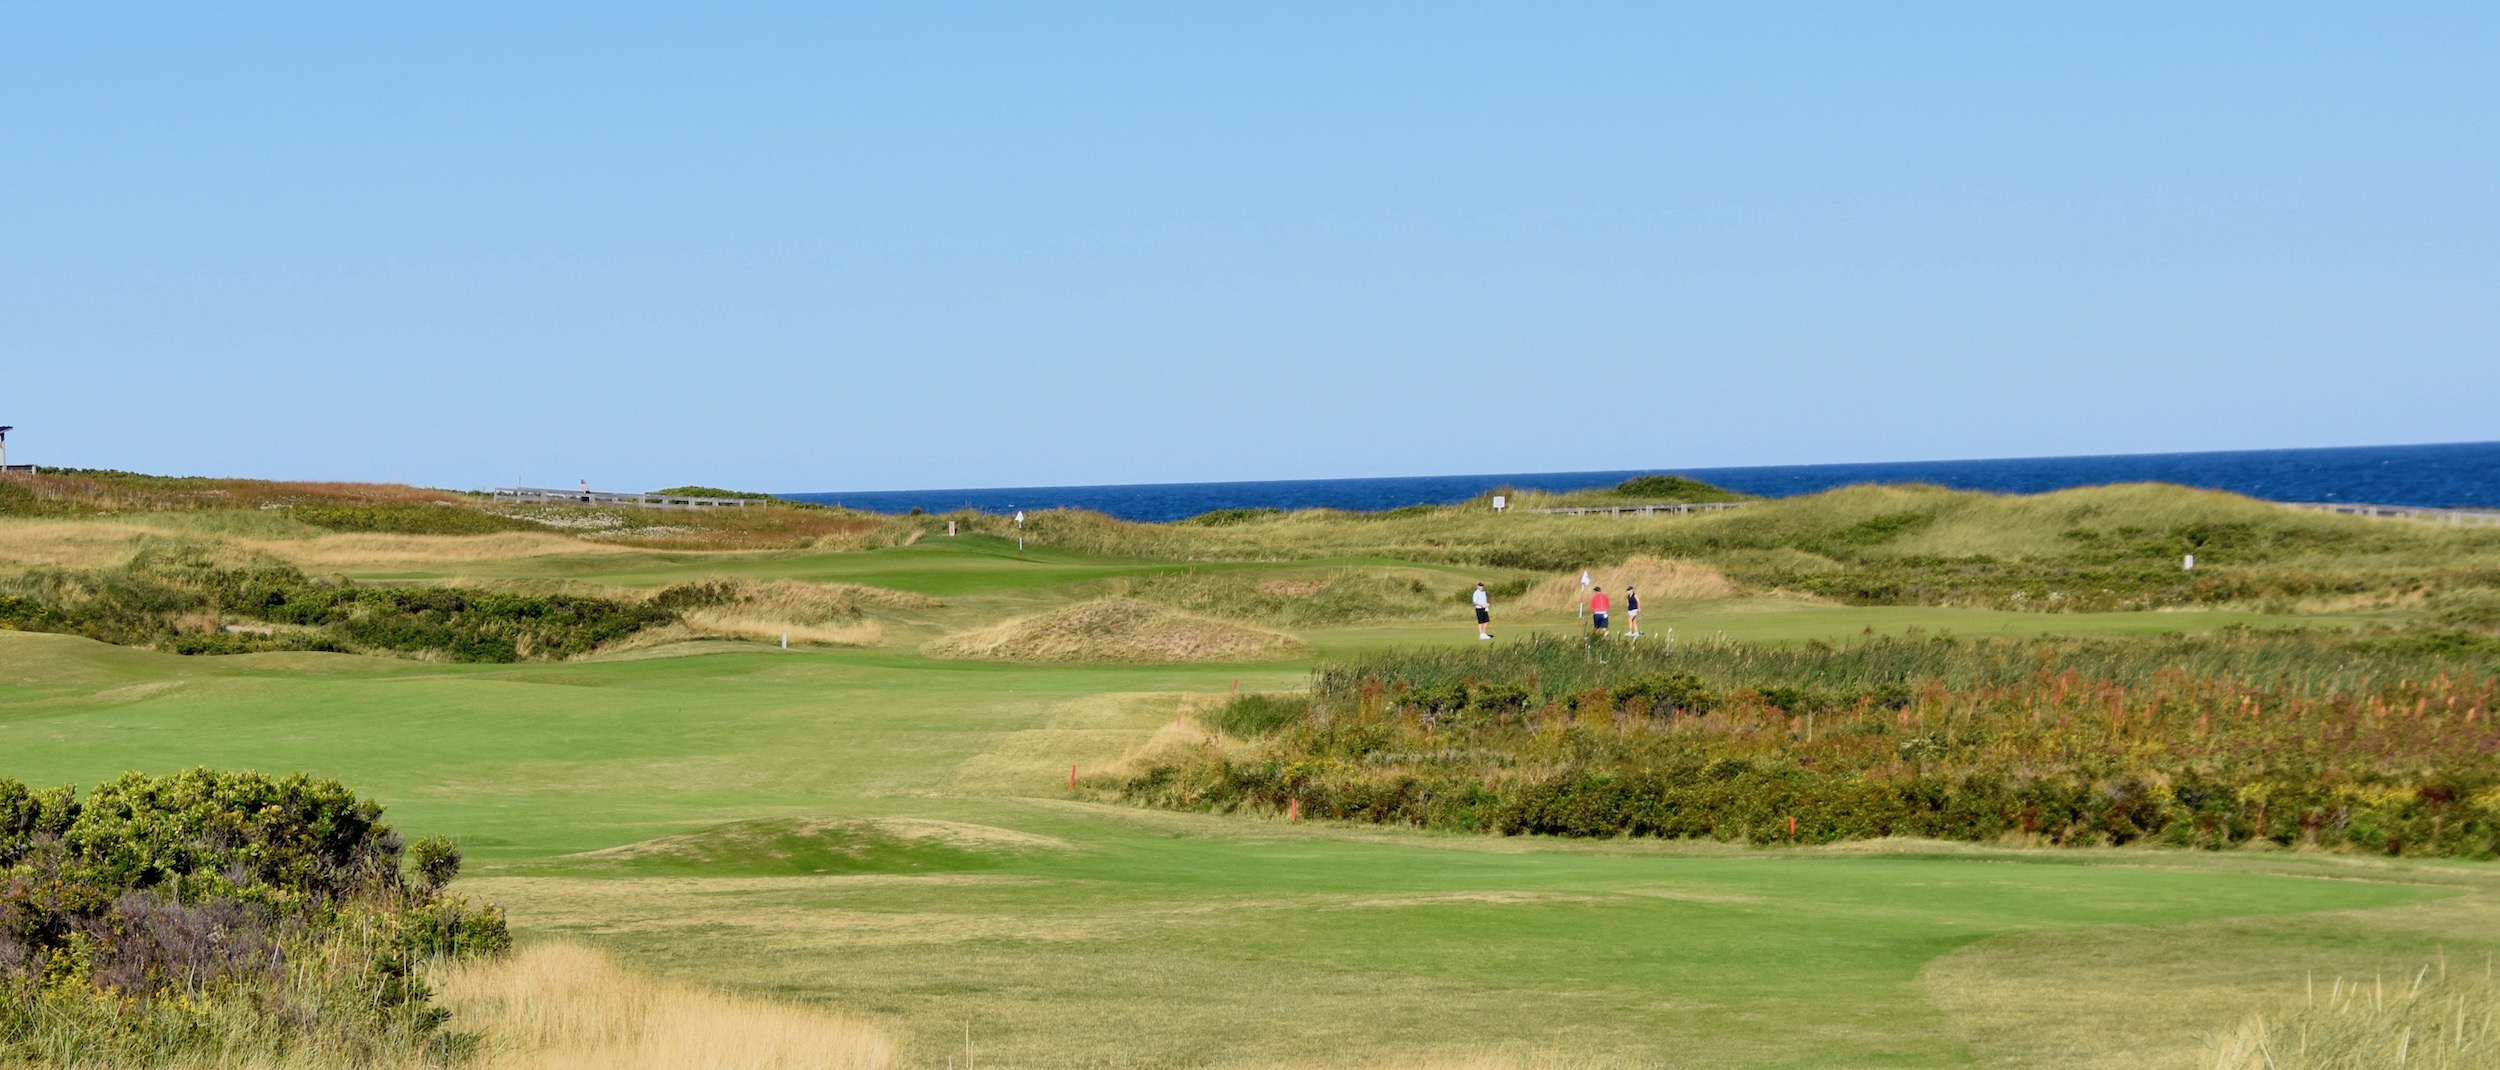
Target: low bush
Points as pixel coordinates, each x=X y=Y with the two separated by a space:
x=1666 y=488
x=1253 y=715
x=435 y=518
x=713 y=492
x=220 y=916
x=1301 y=598
x=183 y=600
x=2293 y=739
x=1221 y=517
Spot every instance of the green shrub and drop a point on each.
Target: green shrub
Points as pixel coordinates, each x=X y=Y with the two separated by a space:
x=1221 y=517
x=713 y=492
x=431 y=518
x=1254 y=715
x=433 y=861
x=1665 y=693
x=1665 y=488
x=142 y=604
x=2298 y=739
x=226 y=916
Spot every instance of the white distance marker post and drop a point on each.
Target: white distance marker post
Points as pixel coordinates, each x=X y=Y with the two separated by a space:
x=2188 y=563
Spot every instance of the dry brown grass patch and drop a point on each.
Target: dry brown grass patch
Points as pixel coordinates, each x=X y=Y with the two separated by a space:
x=567 y=1007
x=1117 y=629
x=1659 y=580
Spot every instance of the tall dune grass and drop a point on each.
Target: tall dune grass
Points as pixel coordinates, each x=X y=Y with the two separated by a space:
x=2434 y=1019
x=1116 y=630
x=1306 y=597
x=567 y=1007
x=2093 y=548
x=1658 y=579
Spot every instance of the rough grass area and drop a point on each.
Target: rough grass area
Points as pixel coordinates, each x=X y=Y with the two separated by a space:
x=2431 y=1019
x=861 y=830
x=1169 y=939
x=190 y=599
x=395 y=509
x=2092 y=549
x=2283 y=740
x=1305 y=598
x=1658 y=580
x=811 y=614
x=84 y=492
x=1117 y=630
x=564 y=1006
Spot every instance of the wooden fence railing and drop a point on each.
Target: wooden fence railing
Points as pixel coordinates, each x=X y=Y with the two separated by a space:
x=609 y=497
x=2405 y=512
x=1639 y=510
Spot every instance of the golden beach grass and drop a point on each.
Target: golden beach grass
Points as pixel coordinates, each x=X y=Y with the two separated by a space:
x=1659 y=580
x=1116 y=629
x=562 y=1006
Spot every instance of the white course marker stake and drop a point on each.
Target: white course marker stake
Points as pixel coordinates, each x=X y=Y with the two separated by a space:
x=785 y=640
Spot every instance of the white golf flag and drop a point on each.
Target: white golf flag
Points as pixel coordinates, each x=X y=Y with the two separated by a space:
x=1584 y=577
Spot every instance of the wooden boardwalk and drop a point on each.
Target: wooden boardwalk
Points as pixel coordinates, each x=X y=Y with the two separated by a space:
x=609 y=497
x=2399 y=512
x=2405 y=512
x=1674 y=508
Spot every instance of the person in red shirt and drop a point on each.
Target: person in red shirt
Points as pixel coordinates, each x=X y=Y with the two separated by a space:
x=1598 y=605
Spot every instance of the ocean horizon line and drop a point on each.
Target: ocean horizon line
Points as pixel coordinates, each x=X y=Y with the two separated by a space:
x=2430 y=475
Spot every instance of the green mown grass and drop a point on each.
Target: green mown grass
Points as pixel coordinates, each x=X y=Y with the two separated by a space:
x=1145 y=939
x=792 y=793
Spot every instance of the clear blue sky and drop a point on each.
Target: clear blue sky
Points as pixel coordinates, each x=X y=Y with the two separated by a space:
x=953 y=245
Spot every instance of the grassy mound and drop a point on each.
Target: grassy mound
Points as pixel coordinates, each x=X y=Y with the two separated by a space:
x=193 y=599
x=1668 y=488
x=1116 y=629
x=775 y=846
x=816 y=614
x=1305 y=597
x=1658 y=580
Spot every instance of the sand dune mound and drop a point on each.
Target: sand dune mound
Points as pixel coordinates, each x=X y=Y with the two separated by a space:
x=819 y=845
x=810 y=614
x=1117 y=629
x=1660 y=579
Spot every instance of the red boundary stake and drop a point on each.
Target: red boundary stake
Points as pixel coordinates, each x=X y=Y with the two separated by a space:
x=1792 y=826
x=1293 y=810
x=1071 y=776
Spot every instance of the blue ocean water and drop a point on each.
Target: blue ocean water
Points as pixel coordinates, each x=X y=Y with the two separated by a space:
x=2458 y=475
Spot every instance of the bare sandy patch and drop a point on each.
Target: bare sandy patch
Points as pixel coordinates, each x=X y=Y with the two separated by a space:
x=1117 y=630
